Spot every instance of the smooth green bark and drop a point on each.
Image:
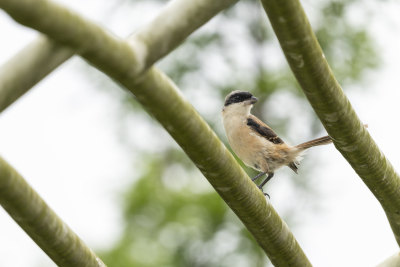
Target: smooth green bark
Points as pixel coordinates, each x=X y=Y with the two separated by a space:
x=173 y=24
x=393 y=261
x=28 y=67
x=162 y=99
x=153 y=41
x=40 y=222
x=323 y=91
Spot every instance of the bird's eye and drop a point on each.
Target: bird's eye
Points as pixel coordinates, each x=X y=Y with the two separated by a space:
x=238 y=97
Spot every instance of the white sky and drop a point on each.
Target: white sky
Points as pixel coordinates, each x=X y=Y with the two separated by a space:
x=61 y=138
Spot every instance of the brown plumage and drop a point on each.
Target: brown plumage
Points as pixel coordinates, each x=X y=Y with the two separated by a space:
x=316 y=142
x=255 y=143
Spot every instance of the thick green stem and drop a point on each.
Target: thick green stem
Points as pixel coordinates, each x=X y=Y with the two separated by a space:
x=163 y=100
x=173 y=24
x=392 y=261
x=156 y=39
x=313 y=73
x=28 y=67
x=40 y=222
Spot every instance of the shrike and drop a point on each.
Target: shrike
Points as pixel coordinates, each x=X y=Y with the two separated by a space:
x=255 y=143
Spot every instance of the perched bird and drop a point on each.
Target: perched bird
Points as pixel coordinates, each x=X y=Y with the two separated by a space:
x=255 y=143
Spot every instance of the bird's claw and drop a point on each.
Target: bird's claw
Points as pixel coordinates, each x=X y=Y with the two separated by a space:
x=265 y=194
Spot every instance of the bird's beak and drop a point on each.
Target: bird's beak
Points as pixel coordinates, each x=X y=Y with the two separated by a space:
x=253 y=99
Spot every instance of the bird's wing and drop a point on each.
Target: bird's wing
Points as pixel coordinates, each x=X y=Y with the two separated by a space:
x=263 y=130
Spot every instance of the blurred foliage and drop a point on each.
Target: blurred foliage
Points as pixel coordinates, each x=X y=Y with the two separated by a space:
x=168 y=224
x=172 y=217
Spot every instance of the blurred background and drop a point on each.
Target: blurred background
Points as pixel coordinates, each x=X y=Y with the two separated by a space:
x=124 y=186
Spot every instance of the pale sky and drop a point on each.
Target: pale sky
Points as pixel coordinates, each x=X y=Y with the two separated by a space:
x=61 y=138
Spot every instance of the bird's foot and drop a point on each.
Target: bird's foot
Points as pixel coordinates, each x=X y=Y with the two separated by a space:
x=270 y=175
x=258 y=176
x=265 y=194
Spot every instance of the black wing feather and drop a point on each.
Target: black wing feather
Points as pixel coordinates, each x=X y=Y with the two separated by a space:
x=293 y=166
x=264 y=131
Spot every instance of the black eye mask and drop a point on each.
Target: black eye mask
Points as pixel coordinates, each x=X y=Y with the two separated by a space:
x=238 y=97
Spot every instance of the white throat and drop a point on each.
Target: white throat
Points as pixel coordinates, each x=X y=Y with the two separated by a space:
x=235 y=115
x=239 y=110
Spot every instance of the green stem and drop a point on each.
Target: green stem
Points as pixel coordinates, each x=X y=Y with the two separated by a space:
x=392 y=261
x=169 y=28
x=40 y=222
x=323 y=91
x=162 y=99
x=28 y=67
x=177 y=20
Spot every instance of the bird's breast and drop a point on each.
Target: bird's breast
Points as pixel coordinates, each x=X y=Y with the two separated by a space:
x=254 y=150
x=247 y=145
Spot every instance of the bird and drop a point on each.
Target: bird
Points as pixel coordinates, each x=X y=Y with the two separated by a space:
x=255 y=143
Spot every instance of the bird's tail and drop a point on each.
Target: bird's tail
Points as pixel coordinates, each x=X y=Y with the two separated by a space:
x=316 y=142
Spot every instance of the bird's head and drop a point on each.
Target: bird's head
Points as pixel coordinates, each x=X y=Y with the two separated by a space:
x=239 y=102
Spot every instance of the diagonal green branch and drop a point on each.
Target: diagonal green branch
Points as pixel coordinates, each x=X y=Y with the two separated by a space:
x=173 y=24
x=28 y=67
x=40 y=222
x=312 y=71
x=156 y=39
x=161 y=98
x=392 y=261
